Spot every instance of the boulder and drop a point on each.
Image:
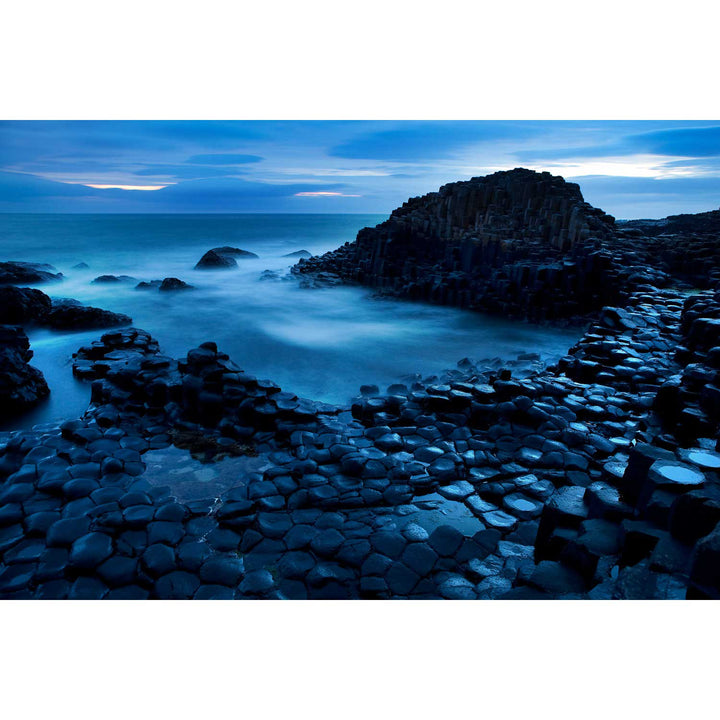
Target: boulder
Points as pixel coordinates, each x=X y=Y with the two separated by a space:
x=169 y=284
x=234 y=252
x=71 y=316
x=22 y=306
x=212 y=260
x=25 y=273
x=21 y=385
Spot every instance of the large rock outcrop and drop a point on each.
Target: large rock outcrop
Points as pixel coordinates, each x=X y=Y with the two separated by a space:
x=25 y=273
x=520 y=244
x=21 y=385
x=516 y=242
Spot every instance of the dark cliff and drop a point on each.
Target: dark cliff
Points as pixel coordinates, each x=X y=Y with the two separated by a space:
x=518 y=243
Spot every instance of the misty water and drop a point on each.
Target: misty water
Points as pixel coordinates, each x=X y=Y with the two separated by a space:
x=321 y=344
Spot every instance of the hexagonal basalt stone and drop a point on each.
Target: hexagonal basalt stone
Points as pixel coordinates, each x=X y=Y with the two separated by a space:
x=159 y=560
x=273 y=525
x=138 y=516
x=170 y=533
x=413 y=532
x=171 y=512
x=419 y=557
x=66 y=531
x=87 y=588
x=257 y=582
x=401 y=579
x=388 y=543
x=327 y=542
x=300 y=536
x=118 y=571
x=456 y=491
x=177 y=585
x=296 y=564
x=500 y=520
x=446 y=540
x=223 y=540
x=222 y=571
x=522 y=506
x=90 y=550
x=16 y=577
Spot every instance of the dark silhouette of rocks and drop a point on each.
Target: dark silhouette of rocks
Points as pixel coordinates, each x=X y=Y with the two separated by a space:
x=234 y=252
x=112 y=279
x=21 y=385
x=299 y=254
x=25 y=273
x=74 y=316
x=148 y=285
x=23 y=306
x=516 y=243
x=213 y=260
x=173 y=284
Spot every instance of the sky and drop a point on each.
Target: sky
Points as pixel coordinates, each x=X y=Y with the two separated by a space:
x=630 y=169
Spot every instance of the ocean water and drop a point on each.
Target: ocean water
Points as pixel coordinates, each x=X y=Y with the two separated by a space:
x=322 y=344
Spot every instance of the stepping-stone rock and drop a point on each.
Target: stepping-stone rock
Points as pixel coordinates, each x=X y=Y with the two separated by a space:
x=257 y=582
x=413 y=532
x=446 y=540
x=223 y=540
x=87 y=588
x=118 y=571
x=158 y=560
x=90 y=550
x=522 y=506
x=222 y=571
x=556 y=579
x=419 y=557
x=327 y=543
x=170 y=533
x=176 y=585
x=401 y=579
x=500 y=520
x=456 y=491
x=296 y=564
x=388 y=543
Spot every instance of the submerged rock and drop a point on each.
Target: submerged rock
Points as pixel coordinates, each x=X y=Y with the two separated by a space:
x=299 y=254
x=111 y=279
x=170 y=284
x=212 y=260
x=234 y=252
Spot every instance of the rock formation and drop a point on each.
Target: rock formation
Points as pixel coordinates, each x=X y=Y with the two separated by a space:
x=21 y=385
x=25 y=273
x=517 y=243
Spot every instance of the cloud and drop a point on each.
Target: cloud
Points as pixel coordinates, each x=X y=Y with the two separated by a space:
x=225 y=159
x=418 y=141
x=323 y=193
x=186 y=172
x=688 y=141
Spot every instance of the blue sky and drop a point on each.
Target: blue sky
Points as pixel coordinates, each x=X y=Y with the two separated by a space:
x=630 y=169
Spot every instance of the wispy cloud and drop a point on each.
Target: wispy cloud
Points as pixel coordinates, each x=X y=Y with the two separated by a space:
x=324 y=193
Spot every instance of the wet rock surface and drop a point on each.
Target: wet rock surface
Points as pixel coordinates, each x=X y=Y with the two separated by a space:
x=21 y=385
x=597 y=477
x=492 y=481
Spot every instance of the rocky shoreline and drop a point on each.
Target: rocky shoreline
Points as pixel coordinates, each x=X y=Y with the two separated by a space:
x=597 y=477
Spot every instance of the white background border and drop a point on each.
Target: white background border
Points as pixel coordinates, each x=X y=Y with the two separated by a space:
x=368 y=60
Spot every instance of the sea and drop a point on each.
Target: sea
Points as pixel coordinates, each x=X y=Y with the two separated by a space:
x=318 y=343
